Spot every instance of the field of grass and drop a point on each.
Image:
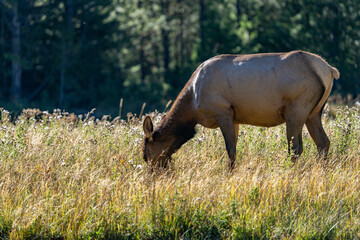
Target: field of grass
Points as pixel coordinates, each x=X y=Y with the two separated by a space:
x=63 y=178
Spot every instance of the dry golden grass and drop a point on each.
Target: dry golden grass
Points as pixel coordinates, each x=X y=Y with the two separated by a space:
x=85 y=178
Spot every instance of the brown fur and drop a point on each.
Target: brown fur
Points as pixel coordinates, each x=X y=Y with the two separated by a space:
x=259 y=89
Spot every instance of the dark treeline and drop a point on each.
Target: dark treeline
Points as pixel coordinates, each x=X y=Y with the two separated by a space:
x=80 y=54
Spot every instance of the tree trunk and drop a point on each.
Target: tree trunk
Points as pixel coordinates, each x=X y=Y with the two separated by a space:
x=16 y=68
x=335 y=31
x=182 y=45
x=165 y=38
x=141 y=50
x=69 y=11
x=62 y=73
x=142 y=59
x=238 y=12
x=66 y=42
x=2 y=43
x=85 y=24
x=179 y=39
x=201 y=26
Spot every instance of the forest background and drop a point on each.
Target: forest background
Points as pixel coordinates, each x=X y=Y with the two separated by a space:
x=83 y=54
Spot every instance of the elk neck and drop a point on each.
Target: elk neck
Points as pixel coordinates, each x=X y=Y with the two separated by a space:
x=178 y=126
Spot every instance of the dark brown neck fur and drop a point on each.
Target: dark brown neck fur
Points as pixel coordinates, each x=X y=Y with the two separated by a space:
x=179 y=123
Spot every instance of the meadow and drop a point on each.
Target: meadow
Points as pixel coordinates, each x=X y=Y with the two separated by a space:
x=65 y=177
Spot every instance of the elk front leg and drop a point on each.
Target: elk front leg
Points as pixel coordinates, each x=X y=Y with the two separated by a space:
x=227 y=127
x=294 y=138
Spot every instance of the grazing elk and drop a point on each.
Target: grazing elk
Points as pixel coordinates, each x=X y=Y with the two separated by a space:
x=258 y=89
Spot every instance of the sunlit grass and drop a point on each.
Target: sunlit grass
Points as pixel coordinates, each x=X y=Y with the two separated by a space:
x=63 y=177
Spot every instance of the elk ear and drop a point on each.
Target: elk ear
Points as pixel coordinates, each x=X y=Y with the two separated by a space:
x=148 y=126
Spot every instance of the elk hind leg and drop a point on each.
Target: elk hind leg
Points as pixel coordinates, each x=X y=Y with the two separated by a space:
x=317 y=133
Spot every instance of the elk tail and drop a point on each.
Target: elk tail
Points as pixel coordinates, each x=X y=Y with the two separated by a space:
x=334 y=72
x=327 y=81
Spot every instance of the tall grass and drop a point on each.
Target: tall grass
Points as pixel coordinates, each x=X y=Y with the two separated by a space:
x=65 y=178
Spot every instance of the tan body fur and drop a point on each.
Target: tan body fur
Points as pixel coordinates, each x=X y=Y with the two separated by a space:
x=259 y=89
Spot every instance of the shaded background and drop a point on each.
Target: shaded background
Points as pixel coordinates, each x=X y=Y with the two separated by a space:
x=82 y=54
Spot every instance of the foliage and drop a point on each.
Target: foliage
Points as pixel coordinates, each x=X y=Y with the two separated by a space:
x=65 y=176
x=75 y=54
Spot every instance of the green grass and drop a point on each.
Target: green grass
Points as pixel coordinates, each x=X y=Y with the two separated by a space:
x=64 y=179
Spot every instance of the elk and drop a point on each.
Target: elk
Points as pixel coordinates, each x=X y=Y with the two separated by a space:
x=264 y=90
